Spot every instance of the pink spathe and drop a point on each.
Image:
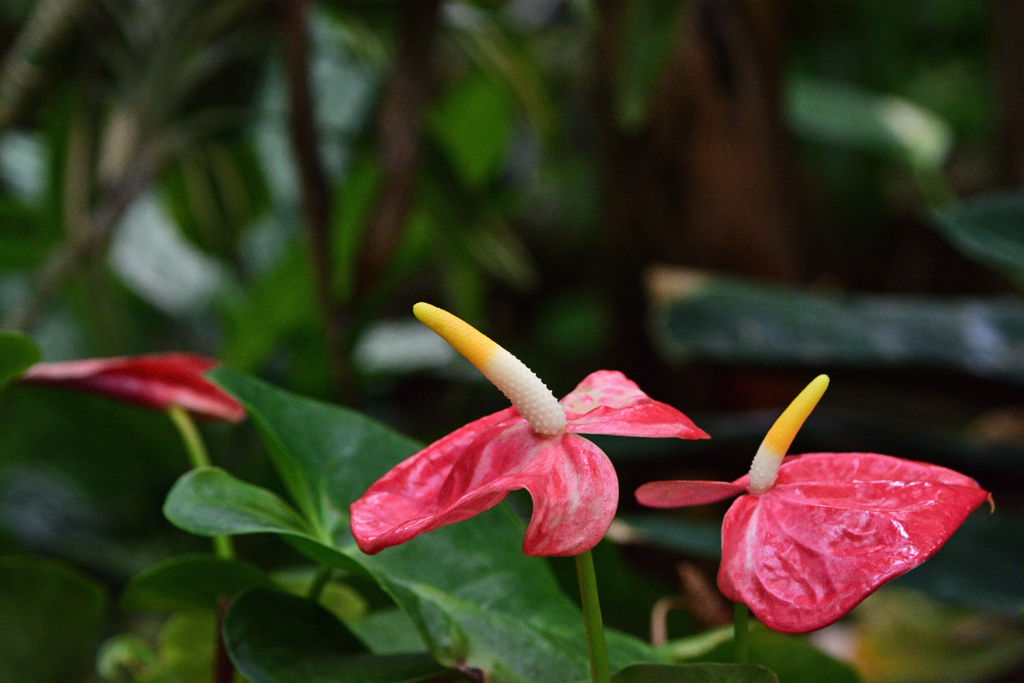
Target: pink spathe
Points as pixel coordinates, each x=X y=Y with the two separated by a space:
x=156 y=381
x=574 y=487
x=833 y=528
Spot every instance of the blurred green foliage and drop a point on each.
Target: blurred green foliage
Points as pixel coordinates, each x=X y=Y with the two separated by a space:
x=152 y=197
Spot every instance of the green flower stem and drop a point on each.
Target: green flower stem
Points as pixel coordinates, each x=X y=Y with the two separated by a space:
x=316 y=587
x=198 y=456
x=741 y=633
x=592 y=618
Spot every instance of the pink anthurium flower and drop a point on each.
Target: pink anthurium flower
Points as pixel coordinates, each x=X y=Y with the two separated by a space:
x=157 y=381
x=533 y=445
x=813 y=535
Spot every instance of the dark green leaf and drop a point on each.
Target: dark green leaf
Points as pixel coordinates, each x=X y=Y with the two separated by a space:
x=190 y=582
x=731 y=320
x=989 y=230
x=274 y=637
x=476 y=600
x=50 y=618
x=695 y=673
x=241 y=508
x=17 y=353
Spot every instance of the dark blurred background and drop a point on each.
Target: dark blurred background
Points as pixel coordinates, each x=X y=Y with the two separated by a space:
x=720 y=198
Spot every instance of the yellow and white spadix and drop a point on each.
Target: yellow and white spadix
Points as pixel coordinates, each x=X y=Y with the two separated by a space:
x=765 y=467
x=527 y=392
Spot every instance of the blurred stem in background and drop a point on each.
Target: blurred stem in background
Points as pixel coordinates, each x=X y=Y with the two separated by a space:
x=316 y=195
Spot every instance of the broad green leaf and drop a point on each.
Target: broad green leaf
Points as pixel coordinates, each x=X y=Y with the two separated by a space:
x=989 y=230
x=732 y=320
x=50 y=618
x=475 y=599
x=387 y=631
x=192 y=581
x=242 y=508
x=472 y=123
x=843 y=114
x=792 y=658
x=17 y=353
x=274 y=637
x=904 y=637
x=695 y=673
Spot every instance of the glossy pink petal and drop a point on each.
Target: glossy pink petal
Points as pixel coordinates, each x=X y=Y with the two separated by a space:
x=684 y=493
x=833 y=529
x=606 y=402
x=155 y=381
x=572 y=483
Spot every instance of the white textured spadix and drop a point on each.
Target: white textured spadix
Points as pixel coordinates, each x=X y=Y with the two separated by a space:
x=765 y=467
x=528 y=394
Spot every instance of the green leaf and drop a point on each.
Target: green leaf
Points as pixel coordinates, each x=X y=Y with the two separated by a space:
x=17 y=353
x=50 y=618
x=695 y=673
x=733 y=320
x=274 y=637
x=475 y=599
x=193 y=581
x=793 y=658
x=472 y=122
x=987 y=230
x=240 y=507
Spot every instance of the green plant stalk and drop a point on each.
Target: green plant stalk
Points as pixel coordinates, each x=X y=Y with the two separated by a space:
x=592 y=618
x=316 y=587
x=198 y=456
x=741 y=633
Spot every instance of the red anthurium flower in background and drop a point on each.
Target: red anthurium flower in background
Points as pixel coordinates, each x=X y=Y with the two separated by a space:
x=532 y=445
x=157 y=381
x=813 y=535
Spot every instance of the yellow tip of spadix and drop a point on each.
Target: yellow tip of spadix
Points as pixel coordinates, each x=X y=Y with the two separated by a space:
x=782 y=433
x=464 y=338
x=765 y=467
